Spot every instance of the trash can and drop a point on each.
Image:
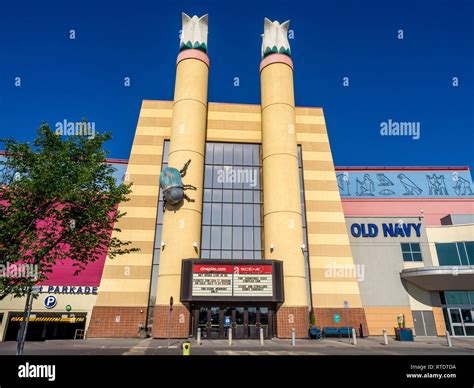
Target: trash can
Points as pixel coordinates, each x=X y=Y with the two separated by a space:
x=143 y=332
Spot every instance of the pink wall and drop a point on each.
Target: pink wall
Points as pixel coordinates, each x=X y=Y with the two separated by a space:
x=433 y=209
x=63 y=274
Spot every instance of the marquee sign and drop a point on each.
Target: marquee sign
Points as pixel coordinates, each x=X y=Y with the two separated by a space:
x=239 y=280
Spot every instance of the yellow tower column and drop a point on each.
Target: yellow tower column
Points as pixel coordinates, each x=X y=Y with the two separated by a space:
x=182 y=228
x=281 y=187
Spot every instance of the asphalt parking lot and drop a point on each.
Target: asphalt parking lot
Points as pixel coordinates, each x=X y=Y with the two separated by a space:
x=327 y=346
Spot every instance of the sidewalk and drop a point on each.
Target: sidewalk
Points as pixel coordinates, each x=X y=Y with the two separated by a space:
x=326 y=346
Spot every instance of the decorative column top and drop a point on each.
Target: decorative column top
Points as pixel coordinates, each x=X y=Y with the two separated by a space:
x=194 y=33
x=275 y=38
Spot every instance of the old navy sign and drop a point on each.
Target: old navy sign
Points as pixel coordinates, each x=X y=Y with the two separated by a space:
x=388 y=230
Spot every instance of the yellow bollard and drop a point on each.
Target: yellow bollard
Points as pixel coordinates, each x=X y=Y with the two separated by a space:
x=186 y=346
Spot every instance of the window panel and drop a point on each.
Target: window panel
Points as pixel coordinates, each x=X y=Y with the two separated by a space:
x=158 y=235
x=208 y=177
x=216 y=213
x=237 y=195
x=248 y=215
x=226 y=237
x=238 y=154
x=417 y=256
x=255 y=183
x=237 y=214
x=166 y=151
x=217 y=177
x=227 y=195
x=447 y=254
x=456 y=297
x=248 y=255
x=237 y=255
x=228 y=154
x=237 y=238
x=247 y=154
x=471 y=296
x=462 y=253
x=215 y=237
x=218 y=153
x=216 y=195
x=256 y=196
x=257 y=238
x=227 y=254
x=256 y=215
x=405 y=247
x=470 y=252
x=248 y=238
x=209 y=152
x=407 y=256
x=415 y=247
x=256 y=156
x=215 y=254
x=248 y=196
x=156 y=256
x=206 y=237
x=227 y=214
x=227 y=177
x=159 y=219
x=154 y=281
x=205 y=254
x=207 y=195
x=206 y=214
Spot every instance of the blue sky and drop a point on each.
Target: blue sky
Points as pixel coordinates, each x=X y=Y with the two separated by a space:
x=402 y=80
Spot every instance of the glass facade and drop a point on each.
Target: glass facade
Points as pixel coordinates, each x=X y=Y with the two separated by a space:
x=232 y=222
x=459 y=253
x=305 y=227
x=157 y=245
x=458 y=311
x=232 y=203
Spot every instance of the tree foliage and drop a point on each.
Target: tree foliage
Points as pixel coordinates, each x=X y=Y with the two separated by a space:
x=58 y=200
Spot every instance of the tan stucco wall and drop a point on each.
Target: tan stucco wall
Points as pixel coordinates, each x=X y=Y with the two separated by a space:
x=450 y=233
x=327 y=235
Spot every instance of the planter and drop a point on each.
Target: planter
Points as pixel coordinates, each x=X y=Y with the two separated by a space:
x=403 y=334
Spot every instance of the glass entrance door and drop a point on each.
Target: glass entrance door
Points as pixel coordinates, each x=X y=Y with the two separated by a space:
x=214 y=323
x=246 y=322
x=462 y=321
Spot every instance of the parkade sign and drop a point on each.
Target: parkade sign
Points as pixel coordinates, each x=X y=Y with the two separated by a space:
x=388 y=230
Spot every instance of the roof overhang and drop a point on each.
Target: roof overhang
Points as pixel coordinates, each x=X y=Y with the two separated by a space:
x=440 y=278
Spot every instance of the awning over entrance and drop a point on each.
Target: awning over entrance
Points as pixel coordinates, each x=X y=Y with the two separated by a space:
x=441 y=278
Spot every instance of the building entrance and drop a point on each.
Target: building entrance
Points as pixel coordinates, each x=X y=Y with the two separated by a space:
x=245 y=321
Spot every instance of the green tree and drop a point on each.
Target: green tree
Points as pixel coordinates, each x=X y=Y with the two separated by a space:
x=58 y=200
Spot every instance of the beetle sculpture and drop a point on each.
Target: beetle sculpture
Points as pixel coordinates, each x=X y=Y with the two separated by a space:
x=172 y=186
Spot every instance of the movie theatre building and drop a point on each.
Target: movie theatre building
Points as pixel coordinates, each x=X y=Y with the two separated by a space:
x=266 y=222
x=254 y=228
